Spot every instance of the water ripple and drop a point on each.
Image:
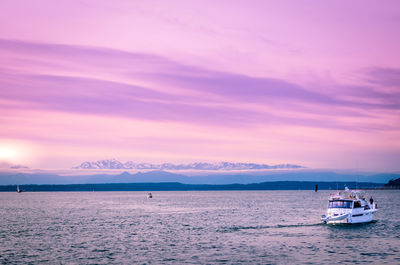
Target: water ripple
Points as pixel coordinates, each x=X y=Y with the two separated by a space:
x=251 y=227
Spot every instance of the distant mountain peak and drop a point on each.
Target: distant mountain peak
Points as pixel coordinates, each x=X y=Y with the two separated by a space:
x=115 y=164
x=19 y=167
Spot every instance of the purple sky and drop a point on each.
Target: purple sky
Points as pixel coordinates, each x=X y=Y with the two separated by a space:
x=315 y=83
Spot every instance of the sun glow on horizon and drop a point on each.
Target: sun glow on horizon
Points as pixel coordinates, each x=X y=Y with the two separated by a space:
x=15 y=152
x=7 y=153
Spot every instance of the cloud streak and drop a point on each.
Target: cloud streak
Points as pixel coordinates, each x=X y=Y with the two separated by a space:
x=168 y=90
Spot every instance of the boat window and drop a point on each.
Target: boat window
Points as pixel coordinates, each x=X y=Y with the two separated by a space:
x=339 y=204
x=357 y=204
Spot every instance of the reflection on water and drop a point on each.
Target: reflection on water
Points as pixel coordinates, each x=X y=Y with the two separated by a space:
x=268 y=227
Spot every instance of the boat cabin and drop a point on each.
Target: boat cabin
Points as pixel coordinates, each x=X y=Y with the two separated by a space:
x=350 y=204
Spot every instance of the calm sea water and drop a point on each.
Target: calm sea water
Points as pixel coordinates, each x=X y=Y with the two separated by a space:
x=228 y=227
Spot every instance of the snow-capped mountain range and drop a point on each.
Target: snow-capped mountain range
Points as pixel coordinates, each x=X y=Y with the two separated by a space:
x=115 y=164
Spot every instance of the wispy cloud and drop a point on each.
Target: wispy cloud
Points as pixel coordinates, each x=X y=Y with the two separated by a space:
x=387 y=77
x=112 y=82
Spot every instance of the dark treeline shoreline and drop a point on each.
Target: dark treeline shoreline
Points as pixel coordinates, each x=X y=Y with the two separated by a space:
x=175 y=186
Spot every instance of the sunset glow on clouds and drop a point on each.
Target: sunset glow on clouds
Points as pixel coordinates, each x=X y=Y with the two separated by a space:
x=311 y=83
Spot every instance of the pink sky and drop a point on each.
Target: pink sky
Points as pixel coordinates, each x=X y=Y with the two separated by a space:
x=314 y=83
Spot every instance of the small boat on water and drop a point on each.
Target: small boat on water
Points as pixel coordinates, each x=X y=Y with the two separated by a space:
x=349 y=207
x=18 y=189
x=149 y=195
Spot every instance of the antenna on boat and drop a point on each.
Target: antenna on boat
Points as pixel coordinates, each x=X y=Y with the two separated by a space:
x=357 y=182
x=337 y=184
x=357 y=175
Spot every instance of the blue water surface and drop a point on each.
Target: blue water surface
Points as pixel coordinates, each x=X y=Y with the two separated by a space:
x=201 y=227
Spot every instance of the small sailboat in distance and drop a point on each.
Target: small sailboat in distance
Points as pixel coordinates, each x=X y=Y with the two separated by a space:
x=149 y=195
x=18 y=189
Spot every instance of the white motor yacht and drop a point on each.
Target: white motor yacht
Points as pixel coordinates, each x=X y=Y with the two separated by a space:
x=349 y=207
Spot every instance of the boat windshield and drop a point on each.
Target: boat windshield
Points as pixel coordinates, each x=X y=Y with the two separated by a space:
x=340 y=204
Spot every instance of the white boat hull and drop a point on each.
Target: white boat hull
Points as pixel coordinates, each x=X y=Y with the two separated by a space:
x=349 y=218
